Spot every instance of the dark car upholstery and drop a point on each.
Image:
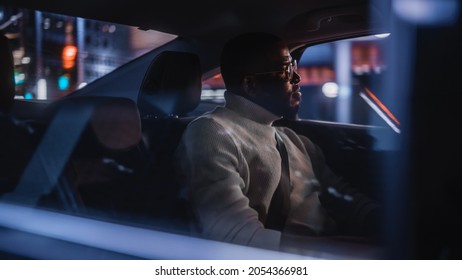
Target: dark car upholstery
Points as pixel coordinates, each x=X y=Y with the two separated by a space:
x=82 y=156
x=17 y=138
x=104 y=158
x=170 y=90
x=7 y=89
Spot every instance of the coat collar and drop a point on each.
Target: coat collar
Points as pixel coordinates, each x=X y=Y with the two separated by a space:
x=248 y=109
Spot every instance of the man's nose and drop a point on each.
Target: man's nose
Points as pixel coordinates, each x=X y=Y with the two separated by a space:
x=295 y=78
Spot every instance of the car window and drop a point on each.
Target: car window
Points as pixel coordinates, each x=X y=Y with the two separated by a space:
x=341 y=81
x=213 y=89
x=56 y=54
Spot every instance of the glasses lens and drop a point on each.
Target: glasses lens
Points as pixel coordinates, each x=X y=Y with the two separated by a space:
x=288 y=70
x=291 y=68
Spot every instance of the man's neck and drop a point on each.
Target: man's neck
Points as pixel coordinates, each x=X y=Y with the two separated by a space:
x=249 y=109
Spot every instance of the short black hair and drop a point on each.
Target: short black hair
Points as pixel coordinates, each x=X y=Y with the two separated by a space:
x=246 y=54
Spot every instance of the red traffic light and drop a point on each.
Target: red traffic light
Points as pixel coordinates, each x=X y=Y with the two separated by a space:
x=69 y=54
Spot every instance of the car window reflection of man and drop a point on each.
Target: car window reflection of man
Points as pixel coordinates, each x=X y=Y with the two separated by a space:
x=230 y=166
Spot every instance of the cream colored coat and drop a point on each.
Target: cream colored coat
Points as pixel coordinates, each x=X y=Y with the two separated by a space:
x=230 y=167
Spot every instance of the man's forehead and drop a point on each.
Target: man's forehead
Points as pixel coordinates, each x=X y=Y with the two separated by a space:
x=284 y=55
x=269 y=59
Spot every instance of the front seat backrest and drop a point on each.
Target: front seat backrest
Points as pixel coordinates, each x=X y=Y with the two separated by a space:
x=87 y=142
x=170 y=90
x=171 y=86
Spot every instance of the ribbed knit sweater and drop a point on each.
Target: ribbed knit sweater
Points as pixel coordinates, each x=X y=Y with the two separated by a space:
x=230 y=167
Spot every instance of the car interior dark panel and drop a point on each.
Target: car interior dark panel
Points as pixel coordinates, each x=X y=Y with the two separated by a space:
x=29 y=110
x=166 y=17
x=432 y=136
x=349 y=20
x=7 y=90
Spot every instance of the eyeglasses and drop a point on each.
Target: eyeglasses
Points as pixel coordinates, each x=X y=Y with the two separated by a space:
x=288 y=70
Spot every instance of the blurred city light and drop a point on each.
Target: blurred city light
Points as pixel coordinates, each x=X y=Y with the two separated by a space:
x=28 y=95
x=13 y=19
x=19 y=78
x=81 y=85
x=63 y=82
x=44 y=44
x=69 y=54
x=330 y=89
x=25 y=60
x=42 y=89
x=431 y=12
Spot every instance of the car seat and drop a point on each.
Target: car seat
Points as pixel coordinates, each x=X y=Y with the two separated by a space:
x=87 y=157
x=102 y=171
x=170 y=90
x=171 y=86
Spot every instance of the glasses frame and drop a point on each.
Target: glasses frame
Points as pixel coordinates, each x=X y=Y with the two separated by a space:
x=288 y=70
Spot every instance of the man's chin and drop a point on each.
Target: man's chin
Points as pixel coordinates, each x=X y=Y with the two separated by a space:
x=295 y=104
x=295 y=99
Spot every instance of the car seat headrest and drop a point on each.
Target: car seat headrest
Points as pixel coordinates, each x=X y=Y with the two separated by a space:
x=172 y=85
x=115 y=121
x=7 y=86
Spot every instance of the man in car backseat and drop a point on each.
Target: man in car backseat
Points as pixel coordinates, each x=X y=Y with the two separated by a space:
x=233 y=173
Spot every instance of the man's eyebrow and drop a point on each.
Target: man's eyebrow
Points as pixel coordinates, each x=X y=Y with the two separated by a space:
x=286 y=58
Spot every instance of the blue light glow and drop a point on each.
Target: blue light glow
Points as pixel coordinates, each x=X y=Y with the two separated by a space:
x=427 y=12
x=63 y=82
x=28 y=95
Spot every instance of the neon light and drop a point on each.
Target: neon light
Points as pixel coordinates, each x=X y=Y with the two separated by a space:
x=382 y=106
x=379 y=112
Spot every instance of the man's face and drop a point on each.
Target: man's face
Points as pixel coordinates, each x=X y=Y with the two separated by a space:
x=277 y=89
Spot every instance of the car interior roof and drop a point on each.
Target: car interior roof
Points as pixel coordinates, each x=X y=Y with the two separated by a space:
x=204 y=27
x=204 y=21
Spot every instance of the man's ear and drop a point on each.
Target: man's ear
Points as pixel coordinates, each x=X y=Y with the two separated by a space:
x=248 y=85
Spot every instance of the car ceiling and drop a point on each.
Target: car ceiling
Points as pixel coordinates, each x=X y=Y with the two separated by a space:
x=205 y=20
x=204 y=26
